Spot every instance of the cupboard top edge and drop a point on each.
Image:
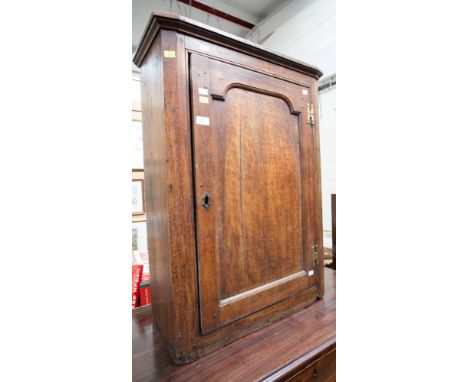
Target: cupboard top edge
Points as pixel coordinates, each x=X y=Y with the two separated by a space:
x=184 y=25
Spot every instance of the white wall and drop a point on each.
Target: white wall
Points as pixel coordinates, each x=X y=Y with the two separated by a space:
x=327 y=118
x=305 y=29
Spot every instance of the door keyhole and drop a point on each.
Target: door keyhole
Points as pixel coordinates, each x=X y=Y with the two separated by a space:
x=206 y=200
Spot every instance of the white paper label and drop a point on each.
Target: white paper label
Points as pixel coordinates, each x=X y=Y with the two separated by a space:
x=169 y=53
x=203 y=91
x=311 y=273
x=202 y=121
x=305 y=91
x=203 y=99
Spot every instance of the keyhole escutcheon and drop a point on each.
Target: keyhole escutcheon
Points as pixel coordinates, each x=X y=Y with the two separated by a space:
x=206 y=200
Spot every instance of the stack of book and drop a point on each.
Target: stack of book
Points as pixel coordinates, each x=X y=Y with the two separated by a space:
x=137 y=271
x=143 y=284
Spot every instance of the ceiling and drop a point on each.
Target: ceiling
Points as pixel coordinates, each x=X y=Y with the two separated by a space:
x=251 y=11
x=258 y=8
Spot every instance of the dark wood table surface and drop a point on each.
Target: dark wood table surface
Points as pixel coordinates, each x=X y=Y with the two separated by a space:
x=270 y=354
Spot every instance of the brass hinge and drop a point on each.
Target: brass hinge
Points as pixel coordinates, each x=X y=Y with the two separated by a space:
x=315 y=249
x=310 y=114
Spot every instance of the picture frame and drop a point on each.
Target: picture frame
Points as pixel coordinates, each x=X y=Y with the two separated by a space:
x=138 y=197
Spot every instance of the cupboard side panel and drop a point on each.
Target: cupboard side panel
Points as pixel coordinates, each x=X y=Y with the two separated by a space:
x=179 y=188
x=155 y=162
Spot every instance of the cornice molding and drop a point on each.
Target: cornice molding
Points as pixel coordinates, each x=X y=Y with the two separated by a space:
x=193 y=28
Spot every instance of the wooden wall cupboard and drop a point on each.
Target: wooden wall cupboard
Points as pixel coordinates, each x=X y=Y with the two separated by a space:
x=232 y=178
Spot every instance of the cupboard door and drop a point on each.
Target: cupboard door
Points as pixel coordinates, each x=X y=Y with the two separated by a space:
x=254 y=192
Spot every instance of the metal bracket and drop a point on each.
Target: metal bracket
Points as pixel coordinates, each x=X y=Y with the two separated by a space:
x=310 y=114
x=315 y=249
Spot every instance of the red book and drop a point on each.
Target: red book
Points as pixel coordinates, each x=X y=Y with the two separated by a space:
x=145 y=295
x=137 y=271
x=141 y=257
